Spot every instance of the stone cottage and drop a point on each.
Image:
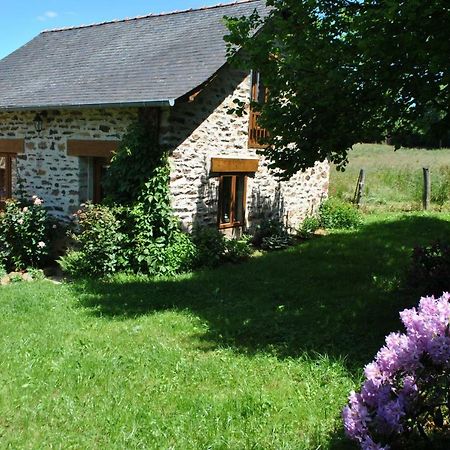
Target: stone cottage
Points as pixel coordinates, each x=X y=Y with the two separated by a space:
x=68 y=96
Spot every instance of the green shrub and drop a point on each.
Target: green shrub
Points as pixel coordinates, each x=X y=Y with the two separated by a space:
x=210 y=244
x=24 y=234
x=265 y=229
x=237 y=250
x=74 y=263
x=308 y=227
x=276 y=242
x=159 y=257
x=336 y=214
x=271 y=235
x=35 y=274
x=430 y=269
x=98 y=243
x=133 y=163
x=213 y=248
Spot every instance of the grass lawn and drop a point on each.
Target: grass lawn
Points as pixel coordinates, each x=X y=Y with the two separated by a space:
x=394 y=180
x=259 y=355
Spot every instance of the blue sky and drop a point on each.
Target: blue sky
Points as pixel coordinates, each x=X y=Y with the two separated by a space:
x=21 y=20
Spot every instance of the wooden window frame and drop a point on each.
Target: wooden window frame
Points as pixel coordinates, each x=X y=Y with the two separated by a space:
x=255 y=132
x=97 y=166
x=8 y=175
x=233 y=223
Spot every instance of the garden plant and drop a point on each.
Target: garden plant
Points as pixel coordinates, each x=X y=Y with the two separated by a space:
x=406 y=393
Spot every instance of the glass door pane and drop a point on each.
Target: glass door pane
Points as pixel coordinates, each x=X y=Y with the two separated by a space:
x=5 y=178
x=225 y=199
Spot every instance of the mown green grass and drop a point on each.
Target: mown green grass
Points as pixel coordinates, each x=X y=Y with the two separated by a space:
x=257 y=355
x=394 y=179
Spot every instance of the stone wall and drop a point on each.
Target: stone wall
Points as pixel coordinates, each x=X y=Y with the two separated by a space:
x=44 y=167
x=202 y=129
x=193 y=131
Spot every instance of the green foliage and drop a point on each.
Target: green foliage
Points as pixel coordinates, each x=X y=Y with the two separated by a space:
x=270 y=234
x=98 y=243
x=36 y=274
x=211 y=246
x=336 y=214
x=308 y=227
x=429 y=272
x=342 y=72
x=24 y=234
x=154 y=228
x=238 y=250
x=276 y=242
x=159 y=257
x=74 y=263
x=133 y=163
x=214 y=249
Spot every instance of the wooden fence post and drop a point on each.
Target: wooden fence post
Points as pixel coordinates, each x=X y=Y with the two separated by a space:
x=426 y=188
x=359 y=187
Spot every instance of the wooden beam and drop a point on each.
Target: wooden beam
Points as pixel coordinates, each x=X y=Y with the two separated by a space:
x=234 y=165
x=102 y=149
x=12 y=145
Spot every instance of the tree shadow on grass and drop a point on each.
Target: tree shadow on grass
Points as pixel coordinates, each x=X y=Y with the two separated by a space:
x=337 y=294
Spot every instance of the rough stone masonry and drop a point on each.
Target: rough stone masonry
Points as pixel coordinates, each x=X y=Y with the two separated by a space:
x=193 y=131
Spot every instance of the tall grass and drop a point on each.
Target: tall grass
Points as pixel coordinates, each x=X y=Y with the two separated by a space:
x=394 y=179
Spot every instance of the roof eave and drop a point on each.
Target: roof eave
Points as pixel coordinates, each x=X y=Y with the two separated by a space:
x=138 y=104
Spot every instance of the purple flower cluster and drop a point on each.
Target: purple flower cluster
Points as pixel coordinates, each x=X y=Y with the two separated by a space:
x=397 y=380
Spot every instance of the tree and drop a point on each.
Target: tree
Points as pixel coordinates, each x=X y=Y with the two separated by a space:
x=341 y=72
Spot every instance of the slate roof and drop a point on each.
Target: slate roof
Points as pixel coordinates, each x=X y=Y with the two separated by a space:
x=148 y=60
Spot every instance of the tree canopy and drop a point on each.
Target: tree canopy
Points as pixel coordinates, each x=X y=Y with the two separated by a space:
x=341 y=72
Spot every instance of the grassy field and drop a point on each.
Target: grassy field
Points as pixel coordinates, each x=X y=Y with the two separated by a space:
x=260 y=355
x=394 y=180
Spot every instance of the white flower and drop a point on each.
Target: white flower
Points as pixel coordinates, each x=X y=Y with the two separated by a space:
x=41 y=244
x=25 y=209
x=37 y=201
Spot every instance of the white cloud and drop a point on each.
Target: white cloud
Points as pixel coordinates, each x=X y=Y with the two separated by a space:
x=47 y=15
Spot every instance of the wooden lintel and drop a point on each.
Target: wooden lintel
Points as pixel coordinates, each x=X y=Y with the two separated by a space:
x=234 y=165
x=101 y=149
x=12 y=145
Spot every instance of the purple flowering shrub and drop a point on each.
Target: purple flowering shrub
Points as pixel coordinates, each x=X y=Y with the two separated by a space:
x=407 y=388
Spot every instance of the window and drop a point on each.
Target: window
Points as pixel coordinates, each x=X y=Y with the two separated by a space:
x=258 y=94
x=6 y=163
x=92 y=174
x=94 y=162
x=232 y=197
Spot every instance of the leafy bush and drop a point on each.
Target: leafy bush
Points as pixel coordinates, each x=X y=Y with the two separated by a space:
x=133 y=163
x=159 y=257
x=237 y=250
x=308 y=227
x=267 y=228
x=336 y=214
x=24 y=234
x=211 y=246
x=430 y=268
x=276 y=242
x=405 y=394
x=74 y=263
x=271 y=235
x=98 y=243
